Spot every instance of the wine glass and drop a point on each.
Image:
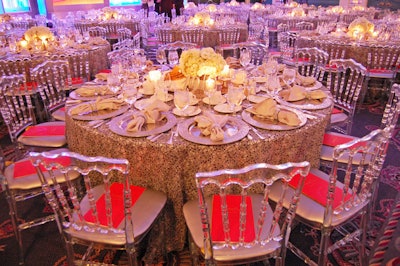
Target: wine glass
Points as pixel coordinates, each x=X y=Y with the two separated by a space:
x=209 y=89
x=114 y=83
x=245 y=57
x=234 y=97
x=173 y=57
x=161 y=56
x=182 y=100
x=289 y=75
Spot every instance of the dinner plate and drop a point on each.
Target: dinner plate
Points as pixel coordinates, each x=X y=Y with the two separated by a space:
x=306 y=104
x=206 y=100
x=118 y=125
x=97 y=115
x=226 y=109
x=273 y=125
x=234 y=130
x=317 y=85
x=257 y=98
x=76 y=96
x=190 y=111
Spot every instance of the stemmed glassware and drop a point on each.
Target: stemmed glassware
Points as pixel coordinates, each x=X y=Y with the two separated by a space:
x=209 y=89
x=289 y=75
x=234 y=97
x=182 y=100
x=245 y=57
x=161 y=56
x=173 y=57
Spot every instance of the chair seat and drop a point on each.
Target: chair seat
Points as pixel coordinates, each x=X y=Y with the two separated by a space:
x=381 y=73
x=59 y=114
x=338 y=118
x=310 y=209
x=145 y=210
x=30 y=181
x=193 y=221
x=45 y=140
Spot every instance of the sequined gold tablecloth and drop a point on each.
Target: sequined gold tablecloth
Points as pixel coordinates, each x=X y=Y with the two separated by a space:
x=171 y=168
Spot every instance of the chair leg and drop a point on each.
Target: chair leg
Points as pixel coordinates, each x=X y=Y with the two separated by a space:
x=194 y=254
x=323 y=254
x=70 y=250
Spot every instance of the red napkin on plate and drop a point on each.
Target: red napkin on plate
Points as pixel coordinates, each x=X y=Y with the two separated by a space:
x=105 y=71
x=117 y=204
x=317 y=189
x=37 y=131
x=25 y=168
x=77 y=80
x=233 y=202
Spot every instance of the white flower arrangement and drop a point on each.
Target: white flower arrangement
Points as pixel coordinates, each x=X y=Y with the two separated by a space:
x=38 y=33
x=201 y=62
x=360 y=28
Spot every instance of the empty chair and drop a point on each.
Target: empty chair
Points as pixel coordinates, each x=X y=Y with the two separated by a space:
x=342 y=197
x=111 y=215
x=383 y=63
x=232 y=222
x=311 y=62
x=335 y=50
x=193 y=36
x=227 y=37
x=18 y=113
x=54 y=81
x=97 y=31
x=163 y=51
x=287 y=47
x=164 y=35
x=136 y=40
x=389 y=121
x=255 y=32
x=304 y=25
x=258 y=51
x=346 y=79
x=124 y=33
x=127 y=43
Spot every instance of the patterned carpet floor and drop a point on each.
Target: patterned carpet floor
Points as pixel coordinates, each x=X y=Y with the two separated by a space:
x=44 y=247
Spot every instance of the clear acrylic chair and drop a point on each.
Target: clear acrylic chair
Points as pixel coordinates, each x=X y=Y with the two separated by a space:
x=311 y=62
x=164 y=35
x=287 y=47
x=113 y=214
x=304 y=25
x=344 y=197
x=193 y=36
x=22 y=189
x=54 y=81
x=259 y=52
x=227 y=37
x=233 y=222
x=124 y=33
x=389 y=121
x=346 y=79
x=19 y=114
x=97 y=31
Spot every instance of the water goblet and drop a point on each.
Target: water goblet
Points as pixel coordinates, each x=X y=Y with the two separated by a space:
x=173 y=57
x=234 y=97
x=161 y=56
x=113 y=83
x=289 y=75
x=245 y=57
x=182 y=100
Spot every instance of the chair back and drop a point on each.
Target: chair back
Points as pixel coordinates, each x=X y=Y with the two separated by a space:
x=287 y=45
x=193 y=36
x=311 y=62
x=163 y=35
x=228 y=35
x=127 y=43
x=358 y=184
x=391 y=114
x=270 y=232
x=304 y=25
x=78 y=64
x=123 y=33
x=105 y=212
x=256 y=32
x=383 y=59
x=346 y=79
x=259 y=52
x=53 y=80
x=16 y=108
x=334 y=49
x=97 y=31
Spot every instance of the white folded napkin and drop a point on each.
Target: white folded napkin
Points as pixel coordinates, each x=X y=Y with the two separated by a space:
x=305 y=81
x=151 y=114
x=99 y=104
x=211 y=125
x=88 y=91
x=268 y=109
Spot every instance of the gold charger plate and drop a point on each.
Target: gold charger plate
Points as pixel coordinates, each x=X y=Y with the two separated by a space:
x=234 y=130
x=306 y=104
x=118 y=126
x=273 y=125
x=98 y=115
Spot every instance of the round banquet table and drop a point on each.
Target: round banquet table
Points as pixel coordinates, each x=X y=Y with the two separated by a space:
x=171 y=168
x=357 y=50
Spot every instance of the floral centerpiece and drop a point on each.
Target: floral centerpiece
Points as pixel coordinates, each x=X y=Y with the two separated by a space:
x=257 y=6
x=5 y=18
x=201 y=62
x=109 y=13
x=37 y=36
x=201 y=19
x=335 y=10
x=298 y=12
x=360 y=28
